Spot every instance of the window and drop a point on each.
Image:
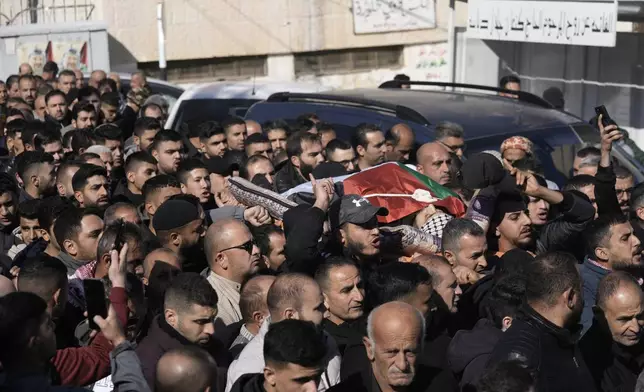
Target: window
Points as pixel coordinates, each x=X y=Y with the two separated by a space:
x=350 y=60
x=214 y=68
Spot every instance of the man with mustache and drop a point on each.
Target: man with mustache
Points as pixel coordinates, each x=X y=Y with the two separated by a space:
x=614 y=342
x=277 y=133
x=343 y=293
x=612 y=245
x=232 y=258
x=305 y=153
x=37 y=170
x=394 y=331
x=91 y=188
x=542 y=339
x=410 y=283
x=624 y=185
x=179 y=225
x=77 y=231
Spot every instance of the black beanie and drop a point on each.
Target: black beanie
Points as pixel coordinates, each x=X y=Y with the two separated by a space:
x=173 y=214
x=508 y=202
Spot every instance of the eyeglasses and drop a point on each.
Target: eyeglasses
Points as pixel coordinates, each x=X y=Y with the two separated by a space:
x=461 y=147
x=247 y=246
x=621 y=192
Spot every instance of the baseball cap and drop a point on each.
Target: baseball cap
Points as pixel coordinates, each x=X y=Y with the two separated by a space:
x=354 y=209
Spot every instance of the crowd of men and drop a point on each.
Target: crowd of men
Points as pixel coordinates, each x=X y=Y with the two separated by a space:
x=532 y=289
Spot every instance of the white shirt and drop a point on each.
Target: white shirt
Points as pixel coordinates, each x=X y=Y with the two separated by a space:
x=251 y=360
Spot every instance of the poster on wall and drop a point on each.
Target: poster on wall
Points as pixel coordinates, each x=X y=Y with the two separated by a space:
x=380 y=16
x=71 y=54
x=35 y=54
x=429 y=62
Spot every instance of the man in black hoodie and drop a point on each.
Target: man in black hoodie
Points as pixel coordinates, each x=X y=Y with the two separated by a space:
x=394 y=330
x=469 y=351
x=612 y=347
x=542 y=339
x=296 y=363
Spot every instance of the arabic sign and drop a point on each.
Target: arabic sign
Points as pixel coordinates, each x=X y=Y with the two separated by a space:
x=378 y=16
x=555 y=22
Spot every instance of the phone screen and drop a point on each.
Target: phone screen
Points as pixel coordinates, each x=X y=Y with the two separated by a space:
x=95 y=300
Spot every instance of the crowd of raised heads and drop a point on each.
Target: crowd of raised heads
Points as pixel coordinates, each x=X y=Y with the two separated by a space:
x=245 y=257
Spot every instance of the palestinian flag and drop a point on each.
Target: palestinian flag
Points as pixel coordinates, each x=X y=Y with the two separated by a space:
x=402 y=190
x=399 y=188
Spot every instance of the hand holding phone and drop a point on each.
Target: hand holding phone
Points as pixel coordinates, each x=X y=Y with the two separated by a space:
x=605 y=117
x=95 y=300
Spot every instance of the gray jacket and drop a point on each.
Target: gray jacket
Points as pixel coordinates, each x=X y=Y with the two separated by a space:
x=126 y=369
x=227 y=212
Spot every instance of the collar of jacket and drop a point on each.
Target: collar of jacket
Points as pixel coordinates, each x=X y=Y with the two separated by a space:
x=292 y=173
x=171 y=332
x=596 y=266
x=632 y=356
x=563 y=335
x=70 y=263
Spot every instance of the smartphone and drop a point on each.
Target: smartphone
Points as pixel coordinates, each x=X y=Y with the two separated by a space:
x=606 y=120
x=95 y=300
x=118 y=241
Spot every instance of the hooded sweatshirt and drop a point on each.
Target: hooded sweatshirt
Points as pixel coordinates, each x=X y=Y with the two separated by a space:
x=469 y=351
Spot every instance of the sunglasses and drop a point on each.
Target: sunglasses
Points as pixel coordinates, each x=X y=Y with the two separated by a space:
x=247 y=246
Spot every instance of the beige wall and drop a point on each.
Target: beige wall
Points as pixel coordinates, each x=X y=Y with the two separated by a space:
x=220 y=28
x=51 y=11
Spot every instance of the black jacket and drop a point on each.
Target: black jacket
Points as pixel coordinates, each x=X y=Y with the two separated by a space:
x=605 y=196
x=469 y=351
x=565 y=232
x=303 y=226
x=162 y=338
x=427 y=379
x=550 y=352
x=288 y=177
x=123 y=194
x=615 y=368
x=343 y=334
x=251 y=382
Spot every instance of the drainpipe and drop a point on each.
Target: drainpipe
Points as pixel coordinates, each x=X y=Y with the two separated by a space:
x=451 y=41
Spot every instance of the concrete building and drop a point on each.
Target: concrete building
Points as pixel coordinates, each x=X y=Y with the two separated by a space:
x=208 y=40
